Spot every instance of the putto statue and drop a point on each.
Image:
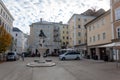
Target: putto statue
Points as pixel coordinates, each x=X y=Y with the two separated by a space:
x=42 y=36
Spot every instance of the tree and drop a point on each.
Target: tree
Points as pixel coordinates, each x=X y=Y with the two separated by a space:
x=5 y=39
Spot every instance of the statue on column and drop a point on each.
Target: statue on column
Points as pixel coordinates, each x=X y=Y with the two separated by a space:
x=41 y=49
x=42 y=36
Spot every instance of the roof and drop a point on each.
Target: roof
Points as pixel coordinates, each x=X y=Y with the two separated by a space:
x=90 y=13
x=45 y=23
x=97 y=17
x=95 y=13
x=16 y=29
x=5 y=8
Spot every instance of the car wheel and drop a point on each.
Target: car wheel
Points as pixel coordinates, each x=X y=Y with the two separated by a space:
x=77 y=58
x=63 y=58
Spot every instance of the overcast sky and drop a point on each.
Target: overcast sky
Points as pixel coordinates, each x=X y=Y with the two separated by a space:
x=26 y=12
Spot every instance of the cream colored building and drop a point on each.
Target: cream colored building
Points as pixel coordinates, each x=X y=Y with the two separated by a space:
x=64 y=36
x=6 y=18
x=115 y=20
x=99 y=36
x=52 y=32
x=77 y=31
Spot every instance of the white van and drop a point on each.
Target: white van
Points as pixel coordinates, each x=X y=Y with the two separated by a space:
x=62 y=51
x=70 y=55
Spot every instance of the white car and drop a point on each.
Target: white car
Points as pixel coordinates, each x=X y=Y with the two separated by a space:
x=70 y=55
x=12 y=56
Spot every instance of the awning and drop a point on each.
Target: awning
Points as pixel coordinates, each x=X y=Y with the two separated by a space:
x=111 y=44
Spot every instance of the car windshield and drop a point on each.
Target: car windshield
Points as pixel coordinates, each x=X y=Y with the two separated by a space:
x=10 y=53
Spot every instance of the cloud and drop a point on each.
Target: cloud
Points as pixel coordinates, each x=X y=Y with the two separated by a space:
x=26 y=12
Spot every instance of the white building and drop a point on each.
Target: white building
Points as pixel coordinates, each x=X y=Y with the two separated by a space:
x=19 y=40
x=25 y=42
x=6 y=18
x=51 y=30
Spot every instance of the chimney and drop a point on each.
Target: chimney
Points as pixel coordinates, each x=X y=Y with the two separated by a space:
x=40 y=19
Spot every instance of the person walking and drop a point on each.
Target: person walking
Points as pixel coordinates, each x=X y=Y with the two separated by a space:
x=22 y=56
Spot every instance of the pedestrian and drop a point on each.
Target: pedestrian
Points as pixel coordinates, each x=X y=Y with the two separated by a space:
x=22 y=56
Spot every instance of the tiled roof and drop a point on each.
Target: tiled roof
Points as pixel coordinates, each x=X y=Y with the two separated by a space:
x=16 y=29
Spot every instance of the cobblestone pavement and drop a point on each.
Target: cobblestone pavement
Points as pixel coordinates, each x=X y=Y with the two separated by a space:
x=64 y=70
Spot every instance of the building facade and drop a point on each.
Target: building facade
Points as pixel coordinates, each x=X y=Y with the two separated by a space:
x=99 y=36
x=19 y=40
x=77 y=31
x=64 y=36
x=115 y=20
x=6 y=18
x=52 y=32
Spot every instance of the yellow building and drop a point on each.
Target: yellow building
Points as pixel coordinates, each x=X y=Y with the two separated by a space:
x=99 y=36
x=64 y=36
x=115 y=20
x=77 y=31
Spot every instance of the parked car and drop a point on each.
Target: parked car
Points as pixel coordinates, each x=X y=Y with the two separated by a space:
x=12 y=56
x=62 y=51
x=70 y=55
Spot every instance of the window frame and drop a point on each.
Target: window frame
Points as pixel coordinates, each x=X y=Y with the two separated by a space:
x=104 y=35
x=117 y=13
x=117 y=31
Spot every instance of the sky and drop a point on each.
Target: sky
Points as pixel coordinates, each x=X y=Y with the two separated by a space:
x=26 y=12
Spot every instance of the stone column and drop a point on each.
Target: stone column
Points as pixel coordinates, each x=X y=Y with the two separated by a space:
x=98 y=53
x=89 y=52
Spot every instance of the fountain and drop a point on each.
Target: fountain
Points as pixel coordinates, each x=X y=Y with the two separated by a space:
x=41 y=49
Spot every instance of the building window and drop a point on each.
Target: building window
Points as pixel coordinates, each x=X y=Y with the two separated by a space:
x=79 y=26
x=93 y=38
x=90 y=39
x=16 y=34
x=117 y=13
x=4 y=14
x=79 y=41
x=0 y=22
x=97 y=24
x=67 y=43
x=90 y=28
x=79 y=33
x=63 y=43
x=98 y=36
x=15 y=42
x=1 y=11
x=67 y=37
x=63 y=37
x=103 y=21
x=104 y=36
x=63 y=32
x=118 y=32
x=67 y=32
x=78 y=19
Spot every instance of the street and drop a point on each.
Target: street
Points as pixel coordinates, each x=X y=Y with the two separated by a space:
x=64 y=70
